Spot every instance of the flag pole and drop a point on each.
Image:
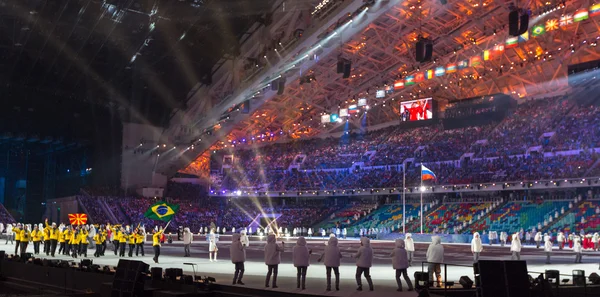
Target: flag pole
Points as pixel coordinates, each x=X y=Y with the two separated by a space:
x=421 y=190
x=404 y=198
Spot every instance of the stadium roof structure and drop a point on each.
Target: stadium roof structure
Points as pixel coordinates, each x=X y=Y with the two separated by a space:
x=141 y=56
x=378 y=38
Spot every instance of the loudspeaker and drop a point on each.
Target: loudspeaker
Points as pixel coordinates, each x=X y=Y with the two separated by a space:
x=171 y=274
x=156 y=273
x=518 y=22
x=524 y=23
x=347 y=69
x=281 y=86
x=86 y=263
x=26 y=256
x=513 y=23
x=129 y=280
x=579 y=277
x=517 y=279
x=340 y=66
x=594 y=278
x=421 y=279
x=466 y=282
x=428 y=51
x=492 y=279
x=420 y=54
x=424 y=50
x=553 y=275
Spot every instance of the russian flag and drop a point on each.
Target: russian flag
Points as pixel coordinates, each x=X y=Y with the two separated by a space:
x=426 y=173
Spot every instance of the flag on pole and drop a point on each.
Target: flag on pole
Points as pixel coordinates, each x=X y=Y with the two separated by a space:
x=426 y=173
x=78 y=218
x=162 y=211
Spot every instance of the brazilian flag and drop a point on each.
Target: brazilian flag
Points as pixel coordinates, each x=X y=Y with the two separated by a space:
x=162 y=211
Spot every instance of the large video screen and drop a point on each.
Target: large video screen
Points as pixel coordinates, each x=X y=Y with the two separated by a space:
x=416 y=110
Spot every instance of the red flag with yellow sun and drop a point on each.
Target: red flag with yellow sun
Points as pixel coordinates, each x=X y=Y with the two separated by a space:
x=78 y=218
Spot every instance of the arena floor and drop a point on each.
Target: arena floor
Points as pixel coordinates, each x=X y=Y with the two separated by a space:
x=382 y=273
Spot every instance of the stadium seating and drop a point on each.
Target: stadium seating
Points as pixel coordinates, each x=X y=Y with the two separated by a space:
x=5 y=216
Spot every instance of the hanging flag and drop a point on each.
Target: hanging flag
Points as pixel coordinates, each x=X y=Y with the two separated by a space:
x=78 y=218
x=429 y=74
x=580 y=15
x=512 y=42
x=551 y=25
x=475 y=61
x=595 y=10
x=498 y=49
x=162 y=211
x=419 y=77
x=399 y=84
x=565 y=20
x=440 y=71
x=486 y=55
x=426 y=173
x=410 y=80
x=538 y=30
x=451 y=68
x=524 y=37
x=463 y=64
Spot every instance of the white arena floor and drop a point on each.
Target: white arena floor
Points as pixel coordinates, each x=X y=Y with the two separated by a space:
x=381 y=272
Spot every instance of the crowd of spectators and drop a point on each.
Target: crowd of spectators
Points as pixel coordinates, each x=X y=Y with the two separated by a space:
x=505 y=151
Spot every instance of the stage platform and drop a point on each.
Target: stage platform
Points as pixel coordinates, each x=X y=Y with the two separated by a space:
x=382 y=272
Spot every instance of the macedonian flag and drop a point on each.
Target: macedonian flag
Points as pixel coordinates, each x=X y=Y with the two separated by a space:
x=78 y=218
x=161 y=211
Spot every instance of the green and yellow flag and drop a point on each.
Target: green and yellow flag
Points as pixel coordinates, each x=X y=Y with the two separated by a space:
x=162 y=211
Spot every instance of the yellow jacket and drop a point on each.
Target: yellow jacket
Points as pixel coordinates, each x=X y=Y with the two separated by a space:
x=139 y=238
x=104 y=235
x=98 y=239
x=60 y=235
x=156 y=238
x=54 y=233
x=122 y=237
x=67 y=235
x=17 y=233
x=75 y=239
x=25 y=235
x=83 y=237
x=46 y=233
x=132 y=238
x=36 y=235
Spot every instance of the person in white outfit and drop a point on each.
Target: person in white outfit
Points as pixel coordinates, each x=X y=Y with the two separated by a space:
x=244 y=239
x=310 y=232
x=364 y=261
x=323 y=233
x=577 y=248
x=301 y=257
x=538 y=239
x=548 y=247
x=503 y=238
x=410 y=247
x=188 y=238
x=435 y=256
x=272 y=259
x=9 y=234
x=515 y=247
x=400 y=264
x=237 y=251
x=212 y=246
x=561 y=240
x=331 y=258
x=476 y=246
x=595 y=239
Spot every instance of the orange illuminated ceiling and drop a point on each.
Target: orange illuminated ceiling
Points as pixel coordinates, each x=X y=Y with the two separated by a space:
x=384 y=52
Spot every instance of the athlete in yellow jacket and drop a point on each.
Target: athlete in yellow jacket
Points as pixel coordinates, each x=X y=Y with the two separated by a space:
x=156 y=242
x=98 y=240
x=17 y=232
x=36 y=237
x=122 y=242
x=74 y=241
x=83 y=243
x=131 y=239
x=25 y=237
x=140 y=236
